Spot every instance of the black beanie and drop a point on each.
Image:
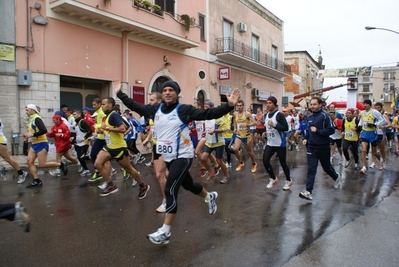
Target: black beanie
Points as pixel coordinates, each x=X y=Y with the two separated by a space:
x=172 y=84
x=272 y=99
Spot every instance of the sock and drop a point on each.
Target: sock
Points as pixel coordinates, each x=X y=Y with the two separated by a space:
x=110 y=183
x=141 y=185
x=165 y=228
x=20 y=172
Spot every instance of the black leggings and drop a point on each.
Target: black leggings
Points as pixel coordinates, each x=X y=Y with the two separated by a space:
x=179 y=175
x=131 y=145
x=7 y=211
x=228 y=151
x=81 y=152
x=354 y=145
x=282 y=157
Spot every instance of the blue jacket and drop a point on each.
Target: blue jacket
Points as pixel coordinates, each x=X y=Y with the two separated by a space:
x=319 y=139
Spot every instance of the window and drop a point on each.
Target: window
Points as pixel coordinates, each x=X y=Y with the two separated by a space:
x=255 y=47
x=366 y=88
x=274 y=56
x=227 y=36
x=389 y=75
x=201 y=21
x=167 y=5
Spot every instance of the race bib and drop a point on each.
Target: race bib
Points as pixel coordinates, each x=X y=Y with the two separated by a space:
x=154 y=135
x=164 y=148
x=349 y=134
x=107 y=139
x=270 y=135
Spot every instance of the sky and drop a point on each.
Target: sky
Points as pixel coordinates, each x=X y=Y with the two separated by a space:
x=337 y=28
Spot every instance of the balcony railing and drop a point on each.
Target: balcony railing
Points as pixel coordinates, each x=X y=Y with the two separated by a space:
x=230 y=45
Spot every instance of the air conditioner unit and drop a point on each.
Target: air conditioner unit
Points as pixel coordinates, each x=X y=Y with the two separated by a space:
x=242 y=27
x=255 y=92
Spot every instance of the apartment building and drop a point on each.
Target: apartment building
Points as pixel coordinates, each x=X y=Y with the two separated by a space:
x=385 y=86
x=304 y=76
x=57 y=52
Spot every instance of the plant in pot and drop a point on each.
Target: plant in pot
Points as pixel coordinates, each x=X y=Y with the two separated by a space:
x=157 y=9
x=138 y=3
x=147 y=5
x=186 y=20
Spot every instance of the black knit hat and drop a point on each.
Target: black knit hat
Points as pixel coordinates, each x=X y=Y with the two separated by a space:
x=272 y=99
x=172 y=84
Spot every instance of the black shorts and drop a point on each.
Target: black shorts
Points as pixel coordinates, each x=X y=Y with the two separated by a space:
x=154 y=152
x=260 y=131
x=336 y=141
x=117 y=153
x=218 y=151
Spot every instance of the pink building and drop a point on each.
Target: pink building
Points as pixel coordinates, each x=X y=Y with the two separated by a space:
x=67 y=52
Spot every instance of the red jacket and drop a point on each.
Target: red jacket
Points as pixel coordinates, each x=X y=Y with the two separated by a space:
x=89 y=120
x=61 y=135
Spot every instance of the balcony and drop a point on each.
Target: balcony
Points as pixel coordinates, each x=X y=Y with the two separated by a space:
x=125 y=16
x=239 y=54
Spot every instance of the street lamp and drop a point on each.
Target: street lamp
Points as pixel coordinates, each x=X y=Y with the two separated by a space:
x=368 y=28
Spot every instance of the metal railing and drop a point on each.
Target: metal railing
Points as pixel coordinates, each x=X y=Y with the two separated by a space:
x=230 y=45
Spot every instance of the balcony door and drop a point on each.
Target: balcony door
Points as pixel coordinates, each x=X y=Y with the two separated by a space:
x=255 y=47
x=227 y=36
x=167 y=6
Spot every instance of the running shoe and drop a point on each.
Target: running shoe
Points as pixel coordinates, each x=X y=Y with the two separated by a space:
x=113 y=172
x=348 y=163
x=109 y=190
x=141 y=159
x=96 y=176
x=217 y=169
x=363 y=170
x=306 y=195
x=224 y=180
x=103 y=185
x=22 y=177
x=21 y=217
x=162 y=207
x=85 y=173
x=35 y=183
x=149 y=164
x=159 y=237
x=134 y=182
x=143 y=191
x=287 y=185
x=55 y=172
x=240 y=166
x=253 y=167
x=372 y=165
x=356 y=166
x=272 y=183
x=203 y=173
x=212 y=202
x=126 y=175
x=80 y=168
x=338 y=182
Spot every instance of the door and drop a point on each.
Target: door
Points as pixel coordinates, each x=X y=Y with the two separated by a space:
x=255 y=47
x=227 y=36
x=77 y=98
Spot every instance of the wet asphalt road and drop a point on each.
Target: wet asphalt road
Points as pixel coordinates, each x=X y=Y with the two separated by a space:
x=254 y=226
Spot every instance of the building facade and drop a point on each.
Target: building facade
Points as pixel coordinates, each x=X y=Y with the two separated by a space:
x=68 y=52
x=386 y=86
x=304 y=76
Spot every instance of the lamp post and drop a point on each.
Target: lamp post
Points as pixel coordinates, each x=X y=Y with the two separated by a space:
x=369 y=28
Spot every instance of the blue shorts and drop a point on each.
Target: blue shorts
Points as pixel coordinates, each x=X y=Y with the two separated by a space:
x=218 y=151
x=245 y=140
x=40 y=146
x=369 y=136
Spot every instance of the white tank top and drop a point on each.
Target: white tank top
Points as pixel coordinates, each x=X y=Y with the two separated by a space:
x=173 y=136
x=274 y=137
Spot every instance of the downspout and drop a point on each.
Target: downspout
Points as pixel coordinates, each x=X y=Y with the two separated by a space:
x=27 y=35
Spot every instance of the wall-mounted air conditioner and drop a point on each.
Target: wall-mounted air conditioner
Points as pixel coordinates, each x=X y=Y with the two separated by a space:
x=242 y=27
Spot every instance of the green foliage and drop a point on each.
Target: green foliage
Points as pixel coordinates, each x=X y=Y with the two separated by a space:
x=186 y=21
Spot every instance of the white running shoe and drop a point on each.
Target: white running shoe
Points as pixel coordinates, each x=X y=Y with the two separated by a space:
x=159 y=237
x=161 y=208
x=287 y=185
x=22 y=177
x=212 y=202
x=372 y=165
x=272 y=183
x=55 y=172
x=103 y=186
